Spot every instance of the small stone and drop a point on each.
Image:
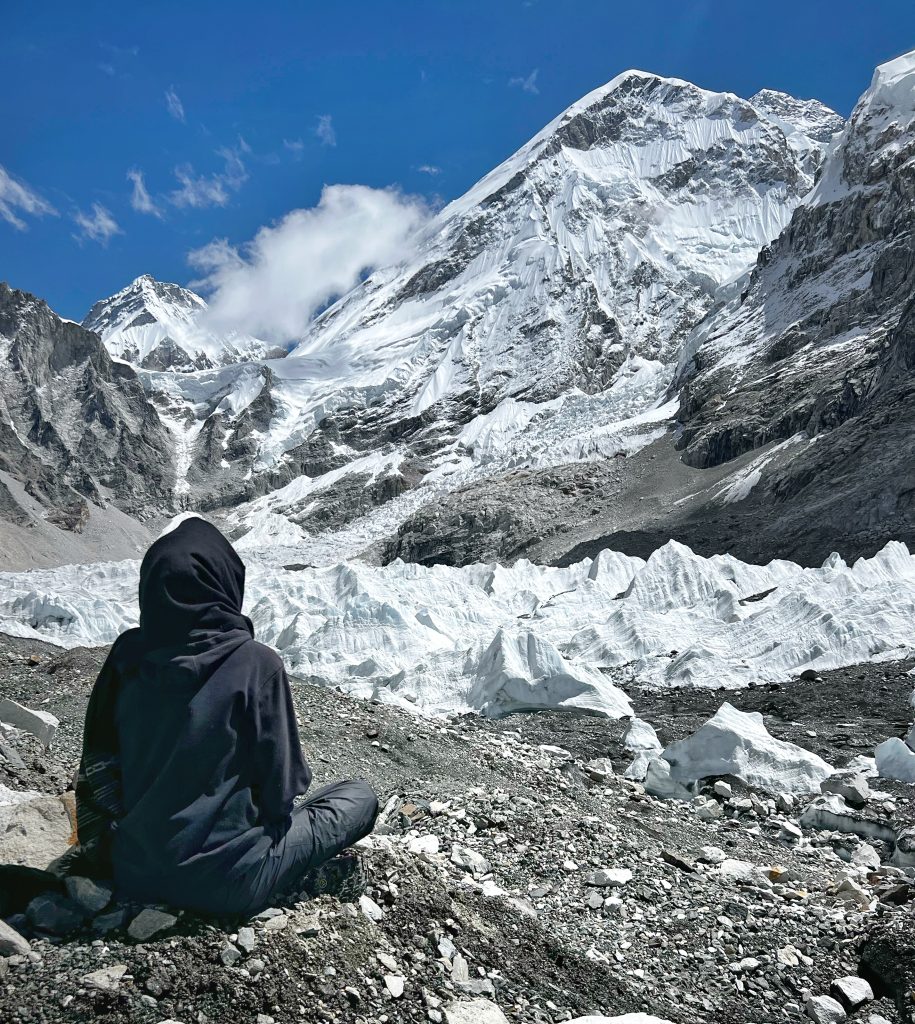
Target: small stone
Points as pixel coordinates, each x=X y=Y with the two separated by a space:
x=707 y=809
x=87 y=894
x=852 y=991
x=105 y=980
x=428 y=845
x=386 y=960
x=247 y=939
x=11 y=942
x=352 y=994
x=469 y=860
x=600 y=769
x=866 y=856
x=679 y=861
x=790 y=833
x=276 y=924
x=711 y=855
x=110 y=921
x=265 y=915
x=595 y=900
x=474 y=1011
x=150 y=922
x=610 y=877
x=825 y=1010
x=852 y=787
x=51 y=912
x=394 y=983
x=370 y=908
x=229 y=955
x=307 y=925
x=255 y=966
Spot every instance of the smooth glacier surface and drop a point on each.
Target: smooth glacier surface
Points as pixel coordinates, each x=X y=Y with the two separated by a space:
x=497 y=638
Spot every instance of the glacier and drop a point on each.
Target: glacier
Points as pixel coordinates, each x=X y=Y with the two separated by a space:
x=496 y=639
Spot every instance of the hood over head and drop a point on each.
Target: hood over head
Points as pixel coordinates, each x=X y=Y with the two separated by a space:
x=191 y=581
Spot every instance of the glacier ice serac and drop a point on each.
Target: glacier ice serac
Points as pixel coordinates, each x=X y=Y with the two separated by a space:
x=497 y=639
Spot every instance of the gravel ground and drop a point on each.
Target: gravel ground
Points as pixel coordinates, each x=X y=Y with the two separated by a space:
x=483 y=881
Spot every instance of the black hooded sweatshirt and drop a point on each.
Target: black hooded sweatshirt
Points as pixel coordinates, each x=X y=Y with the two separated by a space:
x=191 y=755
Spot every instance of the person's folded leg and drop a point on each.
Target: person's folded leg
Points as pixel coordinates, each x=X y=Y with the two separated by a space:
x=330 y=820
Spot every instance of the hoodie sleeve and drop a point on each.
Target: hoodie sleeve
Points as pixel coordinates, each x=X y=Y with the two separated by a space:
x=281 y=771
x=98 y=781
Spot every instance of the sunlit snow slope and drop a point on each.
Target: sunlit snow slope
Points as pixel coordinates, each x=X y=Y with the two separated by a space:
x=540 y=319
x=158 y=326
x=499 y=639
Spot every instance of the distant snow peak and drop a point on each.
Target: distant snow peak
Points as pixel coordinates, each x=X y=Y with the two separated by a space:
x=156 y=325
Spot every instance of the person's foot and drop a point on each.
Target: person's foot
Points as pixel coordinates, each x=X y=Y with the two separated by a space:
x=344 y=876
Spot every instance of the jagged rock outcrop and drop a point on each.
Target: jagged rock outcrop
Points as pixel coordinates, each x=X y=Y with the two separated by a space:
x=76 y=427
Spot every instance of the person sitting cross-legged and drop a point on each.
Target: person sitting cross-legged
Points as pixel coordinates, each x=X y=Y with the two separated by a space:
x=191 y=759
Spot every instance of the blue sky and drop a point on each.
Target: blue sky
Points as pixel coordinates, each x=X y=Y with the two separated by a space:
x=231 y=114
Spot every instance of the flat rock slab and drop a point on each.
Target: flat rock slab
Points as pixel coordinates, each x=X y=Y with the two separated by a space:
x=474 y=1011
x=39 y=723
x=150 y=922
x=105 y=980
x=33 y=831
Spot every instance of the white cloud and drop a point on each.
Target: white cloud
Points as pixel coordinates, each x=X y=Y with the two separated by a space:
x=17 y=198
x=273 y=286
x=140 y=198
x=326 y=131
x=526 y=83
x=173 y=104
x=98 y=225
x=429 y=169
x=294 y=146
x=200 y=191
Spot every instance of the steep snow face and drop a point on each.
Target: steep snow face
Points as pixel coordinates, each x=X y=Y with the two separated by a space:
x=497 y=639
x=542 y=316
x=605 y=235
x=157 y=326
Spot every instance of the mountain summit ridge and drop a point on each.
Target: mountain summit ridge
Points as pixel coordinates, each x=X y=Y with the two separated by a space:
x=158 y=325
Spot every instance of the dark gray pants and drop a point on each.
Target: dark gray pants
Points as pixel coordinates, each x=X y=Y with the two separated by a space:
x=327 y=822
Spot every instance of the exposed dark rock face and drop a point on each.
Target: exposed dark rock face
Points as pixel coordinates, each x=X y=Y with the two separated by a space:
x=796 y=397
x=75 y=427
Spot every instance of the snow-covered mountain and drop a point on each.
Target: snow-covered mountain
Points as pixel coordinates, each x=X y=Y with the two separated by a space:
x=796 y=395
x=673 y=313
x=159 y=326
x=540 y=320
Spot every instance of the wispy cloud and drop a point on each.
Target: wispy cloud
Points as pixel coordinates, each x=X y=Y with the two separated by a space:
x=326 y=131
x=98 y=224
x=140 y=198
x=117 y=59
x=429 y=169
x=201 y=191
x=18 y=199
x=174 y=105
x=294 y=146
x=274 y=285
x=526 y=83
